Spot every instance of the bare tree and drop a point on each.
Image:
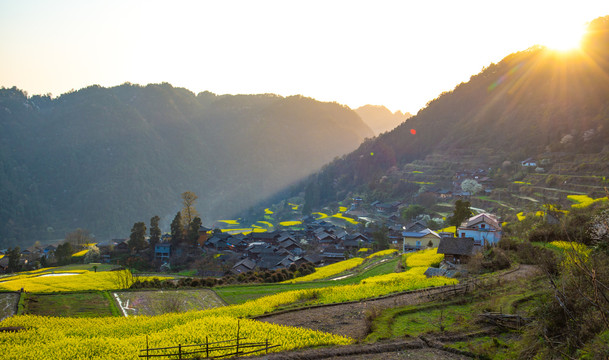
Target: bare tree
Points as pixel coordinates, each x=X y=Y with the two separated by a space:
x=189 y=212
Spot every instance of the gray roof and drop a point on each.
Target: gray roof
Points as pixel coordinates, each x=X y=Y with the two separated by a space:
x=456 y=246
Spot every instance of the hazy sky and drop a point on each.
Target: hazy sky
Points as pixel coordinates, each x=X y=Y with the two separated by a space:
x=400 y=54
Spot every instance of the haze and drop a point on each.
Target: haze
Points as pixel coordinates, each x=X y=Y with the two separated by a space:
x=393 y=53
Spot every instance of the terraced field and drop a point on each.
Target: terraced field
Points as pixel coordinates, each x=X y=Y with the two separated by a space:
x=166 y=301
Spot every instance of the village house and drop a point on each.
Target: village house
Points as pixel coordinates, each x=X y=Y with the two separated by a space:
x=418 y=240
x=483 y=228
x=162 y=251
x=457 y=250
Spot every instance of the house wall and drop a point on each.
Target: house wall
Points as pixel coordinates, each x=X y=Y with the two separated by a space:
x=482 y=236
x=412 y=242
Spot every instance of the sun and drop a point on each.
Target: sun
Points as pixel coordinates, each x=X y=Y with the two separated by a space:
x=564 y=37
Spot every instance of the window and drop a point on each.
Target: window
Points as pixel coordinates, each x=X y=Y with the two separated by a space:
x=482 y=226
x=462 y=234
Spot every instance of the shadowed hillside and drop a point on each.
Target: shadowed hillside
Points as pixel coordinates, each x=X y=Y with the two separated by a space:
x=103 y=158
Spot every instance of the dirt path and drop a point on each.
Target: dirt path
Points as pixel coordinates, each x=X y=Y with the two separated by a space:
x=350 y=319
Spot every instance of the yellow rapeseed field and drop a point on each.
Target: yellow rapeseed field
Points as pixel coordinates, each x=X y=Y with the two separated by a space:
x=73 y=280
x=122 y=338
x=382 y=253
x=327 y=271
x=423 y=258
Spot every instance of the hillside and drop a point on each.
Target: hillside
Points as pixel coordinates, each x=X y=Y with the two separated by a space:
x=104 y=158
x=380 y=119
x=536 y=103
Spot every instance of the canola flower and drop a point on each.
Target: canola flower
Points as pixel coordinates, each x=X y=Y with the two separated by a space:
x=574 y=252
x=268 y=224
x=80 y=253
x=342 y=209
x=583 y=201
x=363 y=250
x=230 y=222
x=423 y=258
x=319 y=215
x=328 y=270
x=73 y=280
x=123 y=338
x=382 y=253
x=290 y=223
x=450 y=229
x=347 y=219
x=522 y=182
x=268 y=211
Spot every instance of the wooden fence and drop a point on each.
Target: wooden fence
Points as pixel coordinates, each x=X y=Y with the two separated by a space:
x=208 y=350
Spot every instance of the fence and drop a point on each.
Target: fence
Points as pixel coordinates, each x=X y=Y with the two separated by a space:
x=208 y=350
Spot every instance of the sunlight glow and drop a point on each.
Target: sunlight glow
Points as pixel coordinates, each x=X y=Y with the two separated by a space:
x=564 y=37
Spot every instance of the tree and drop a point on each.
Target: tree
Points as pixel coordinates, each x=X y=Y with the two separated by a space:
x=14 y=255
x=155 y=231
x=412 y=211
x=189 y=212
x=380 y=238
x=461 y=213
x=92 y=255
x=471 y=186
x=193 y=231
x=177 y=229
x=63 y=253
x=79 y=237
x=137 y=239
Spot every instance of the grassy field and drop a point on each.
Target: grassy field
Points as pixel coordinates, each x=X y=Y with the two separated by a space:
x=81 y=304
x=167 y=301
x=459 y=315
x=238 y=294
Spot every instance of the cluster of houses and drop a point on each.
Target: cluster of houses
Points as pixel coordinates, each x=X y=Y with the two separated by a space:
x=320 y=243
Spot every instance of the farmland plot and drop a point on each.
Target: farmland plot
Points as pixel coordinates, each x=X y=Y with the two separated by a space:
x=166 y=301
x=8 y=304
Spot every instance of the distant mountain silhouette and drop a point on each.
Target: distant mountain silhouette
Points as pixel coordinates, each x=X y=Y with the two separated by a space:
x=380 y=119
x=104 y=158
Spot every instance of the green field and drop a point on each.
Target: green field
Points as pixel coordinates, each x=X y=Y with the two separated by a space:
x=238 y=294
x=81 y=304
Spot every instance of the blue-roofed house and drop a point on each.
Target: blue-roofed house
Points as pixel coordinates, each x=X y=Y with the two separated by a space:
x=417 y=240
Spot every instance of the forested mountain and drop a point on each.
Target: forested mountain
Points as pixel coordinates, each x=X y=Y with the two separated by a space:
x=381 y=119
x=103 y=158
x=532 y=102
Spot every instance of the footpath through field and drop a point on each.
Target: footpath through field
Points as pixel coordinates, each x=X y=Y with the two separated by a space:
x=349 y=319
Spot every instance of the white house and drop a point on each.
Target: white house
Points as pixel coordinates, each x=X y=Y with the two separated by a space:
x=483 y=228
x=529 y=162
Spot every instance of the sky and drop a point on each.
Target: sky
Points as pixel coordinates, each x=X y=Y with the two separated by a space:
x=400 y=54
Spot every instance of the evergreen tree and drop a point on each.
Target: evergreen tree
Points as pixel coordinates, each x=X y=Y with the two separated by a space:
x=193 y=231
x=177 y=229
x=155 y=231
x=14 y=255
x=137 y=239
x=63 y=253
x=461 y=213
x=380 y=237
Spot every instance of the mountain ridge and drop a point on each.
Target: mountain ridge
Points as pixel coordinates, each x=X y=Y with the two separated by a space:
x=103 y=158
